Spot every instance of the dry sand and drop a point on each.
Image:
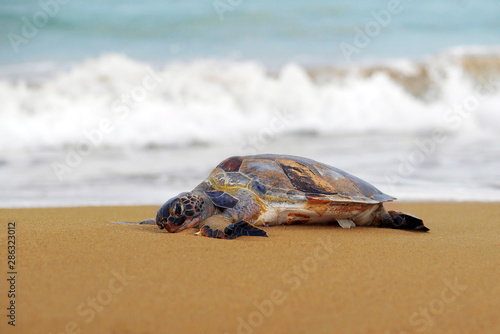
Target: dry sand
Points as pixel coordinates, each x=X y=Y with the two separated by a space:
x=79 y=273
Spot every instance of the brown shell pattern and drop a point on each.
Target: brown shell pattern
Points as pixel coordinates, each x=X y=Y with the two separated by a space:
x=288 y=176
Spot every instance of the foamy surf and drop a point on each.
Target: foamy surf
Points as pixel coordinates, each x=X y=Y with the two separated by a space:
x=116 y=102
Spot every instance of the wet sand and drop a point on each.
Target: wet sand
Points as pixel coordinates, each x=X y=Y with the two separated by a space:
x=79 y=273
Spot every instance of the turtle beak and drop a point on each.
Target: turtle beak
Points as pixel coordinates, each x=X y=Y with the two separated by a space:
x=170 y=227
x=165 y=224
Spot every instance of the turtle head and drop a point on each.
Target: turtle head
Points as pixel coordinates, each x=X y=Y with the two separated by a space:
x=183 y=211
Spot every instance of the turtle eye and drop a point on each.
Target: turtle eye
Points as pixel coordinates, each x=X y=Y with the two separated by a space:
x=177 y=209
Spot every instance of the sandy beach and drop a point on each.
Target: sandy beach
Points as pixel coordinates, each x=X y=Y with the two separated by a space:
x=79 y=273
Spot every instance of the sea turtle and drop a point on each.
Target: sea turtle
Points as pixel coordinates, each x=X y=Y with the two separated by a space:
x=243 y=192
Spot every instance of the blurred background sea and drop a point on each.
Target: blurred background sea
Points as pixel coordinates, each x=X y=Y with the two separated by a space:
x=126 y=102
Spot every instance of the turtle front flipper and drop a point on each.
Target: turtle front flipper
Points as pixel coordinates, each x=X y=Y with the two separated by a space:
x=243 y=228
x=214 y=226
x=150 y=221
x=221 y=226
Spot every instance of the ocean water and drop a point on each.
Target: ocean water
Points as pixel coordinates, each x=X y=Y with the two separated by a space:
x=128 y=102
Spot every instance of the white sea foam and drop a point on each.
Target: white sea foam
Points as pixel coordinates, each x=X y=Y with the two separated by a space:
x=208 y=101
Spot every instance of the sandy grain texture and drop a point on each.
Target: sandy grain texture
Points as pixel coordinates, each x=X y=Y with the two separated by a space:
x=79 y=273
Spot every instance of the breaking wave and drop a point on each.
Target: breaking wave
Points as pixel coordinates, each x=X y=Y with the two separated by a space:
x=114 y=101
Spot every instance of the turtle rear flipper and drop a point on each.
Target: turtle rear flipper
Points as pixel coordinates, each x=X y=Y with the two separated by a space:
x=404 y=221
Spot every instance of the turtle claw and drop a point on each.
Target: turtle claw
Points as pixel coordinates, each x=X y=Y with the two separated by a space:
x=240 y=228
x=208 y=232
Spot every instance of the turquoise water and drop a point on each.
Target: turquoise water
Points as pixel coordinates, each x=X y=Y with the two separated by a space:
x=307 y=32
